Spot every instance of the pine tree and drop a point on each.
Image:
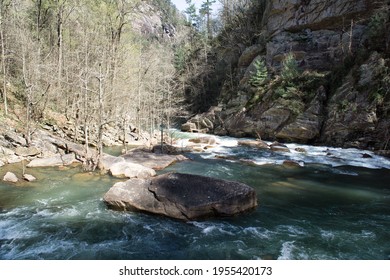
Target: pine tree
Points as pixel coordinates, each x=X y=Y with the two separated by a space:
x=206 y=10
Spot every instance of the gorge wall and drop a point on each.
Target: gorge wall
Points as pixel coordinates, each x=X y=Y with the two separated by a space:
x=339 y=95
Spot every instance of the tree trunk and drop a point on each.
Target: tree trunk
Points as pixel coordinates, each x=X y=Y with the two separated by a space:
x=3 y=60
x=60 y=53
x=100 y=118
x=139 y=97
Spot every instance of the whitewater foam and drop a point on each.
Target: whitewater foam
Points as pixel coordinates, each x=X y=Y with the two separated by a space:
x=286 y=252
x=331 y=156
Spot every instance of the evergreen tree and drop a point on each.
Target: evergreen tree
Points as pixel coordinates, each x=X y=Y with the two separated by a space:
x=206 y=10
x=191 y=12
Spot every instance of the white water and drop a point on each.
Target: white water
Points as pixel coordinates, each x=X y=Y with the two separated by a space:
x=335 y=157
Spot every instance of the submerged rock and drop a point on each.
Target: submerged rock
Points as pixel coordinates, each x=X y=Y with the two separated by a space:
x=278 y=147
x=182 y=196
x=365 y=155
x=291 y=163
x=301 y=150
x=209 y=140
x=10 y=177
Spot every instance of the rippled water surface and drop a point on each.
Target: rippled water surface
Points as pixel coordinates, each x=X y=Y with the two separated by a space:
x=337 y=206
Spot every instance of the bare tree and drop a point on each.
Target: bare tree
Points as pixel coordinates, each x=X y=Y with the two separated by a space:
x=4 y=6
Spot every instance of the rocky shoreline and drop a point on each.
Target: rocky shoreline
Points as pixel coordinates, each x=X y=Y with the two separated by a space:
x=54 y=145
x=138 y=167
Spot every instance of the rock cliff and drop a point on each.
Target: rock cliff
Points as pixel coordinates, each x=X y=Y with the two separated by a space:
x=335 y=91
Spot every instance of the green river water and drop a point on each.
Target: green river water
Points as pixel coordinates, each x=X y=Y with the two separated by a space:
x=319 y=211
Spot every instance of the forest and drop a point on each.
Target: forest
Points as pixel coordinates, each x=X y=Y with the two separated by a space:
x=143 y=65
x=94 y=62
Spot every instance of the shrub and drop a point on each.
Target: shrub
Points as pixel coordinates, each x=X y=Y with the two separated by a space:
x=260 y=75
x=290 y=69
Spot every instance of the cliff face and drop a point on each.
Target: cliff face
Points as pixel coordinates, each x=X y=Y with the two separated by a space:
x=320 y=33
x=341 y=94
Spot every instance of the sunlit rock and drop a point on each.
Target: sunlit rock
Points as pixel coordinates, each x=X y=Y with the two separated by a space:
x=209 y=140
x=254 y=143
x=58 y=160
x=131 y=170
x=10 y=177
x=182 y=196
x=29 y=178
x=152 y=160
x=188 y=127
x=108 y=160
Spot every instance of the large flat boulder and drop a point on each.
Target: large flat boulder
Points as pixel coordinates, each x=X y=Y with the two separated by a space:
x=27 y=151
x=152 y=160
x=131 y=170
x=58 y=160
x=182 y=196
x=109 y=160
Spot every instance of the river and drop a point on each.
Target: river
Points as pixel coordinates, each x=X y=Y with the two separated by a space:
x=336 y=206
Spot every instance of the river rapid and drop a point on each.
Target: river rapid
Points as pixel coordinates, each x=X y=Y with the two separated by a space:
x=335 y=206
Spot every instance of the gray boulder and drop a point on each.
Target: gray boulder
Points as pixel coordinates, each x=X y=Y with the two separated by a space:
x=188 y=127
x=15 y=139
x=182 y=196
x=6 y=152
